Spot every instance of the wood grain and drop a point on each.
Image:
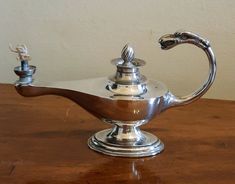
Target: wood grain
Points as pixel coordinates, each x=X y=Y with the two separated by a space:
x=43 y=140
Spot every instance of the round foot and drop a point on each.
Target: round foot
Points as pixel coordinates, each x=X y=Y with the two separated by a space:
x=150 y=146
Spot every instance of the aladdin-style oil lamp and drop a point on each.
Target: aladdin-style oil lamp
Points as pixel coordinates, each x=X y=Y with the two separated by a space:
x=126 y=99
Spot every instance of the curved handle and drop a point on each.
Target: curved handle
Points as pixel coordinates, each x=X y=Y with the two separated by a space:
x=171 y=40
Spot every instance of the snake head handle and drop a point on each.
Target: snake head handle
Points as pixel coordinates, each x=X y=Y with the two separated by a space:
x=169 y=41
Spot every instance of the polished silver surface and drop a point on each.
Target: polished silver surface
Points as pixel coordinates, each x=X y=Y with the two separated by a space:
x=126 y=100
x=146 y=145
x=180 y=37
x=127 y=80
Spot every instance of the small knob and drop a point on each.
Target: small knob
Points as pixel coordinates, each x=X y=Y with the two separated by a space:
x=127 y=55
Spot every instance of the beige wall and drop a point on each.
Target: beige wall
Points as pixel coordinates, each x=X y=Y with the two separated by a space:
x=75 y=39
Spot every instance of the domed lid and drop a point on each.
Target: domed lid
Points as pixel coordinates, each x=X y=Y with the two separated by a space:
x=127 y=80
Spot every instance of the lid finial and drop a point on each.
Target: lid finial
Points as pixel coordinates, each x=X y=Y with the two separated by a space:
x=127 y=54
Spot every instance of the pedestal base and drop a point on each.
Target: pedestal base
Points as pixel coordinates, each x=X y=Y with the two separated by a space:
x=150 y=145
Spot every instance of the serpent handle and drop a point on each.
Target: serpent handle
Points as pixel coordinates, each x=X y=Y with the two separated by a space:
x=171 y=40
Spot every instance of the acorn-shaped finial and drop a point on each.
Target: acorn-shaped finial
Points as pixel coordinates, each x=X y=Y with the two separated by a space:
x=128 y=54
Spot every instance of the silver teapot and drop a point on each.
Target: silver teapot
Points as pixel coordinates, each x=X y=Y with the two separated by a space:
x=126 y=99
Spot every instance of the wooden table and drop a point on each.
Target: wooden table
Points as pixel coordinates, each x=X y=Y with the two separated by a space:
x=44 y=141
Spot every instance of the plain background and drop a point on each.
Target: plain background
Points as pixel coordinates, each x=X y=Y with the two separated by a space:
x=76 y=39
